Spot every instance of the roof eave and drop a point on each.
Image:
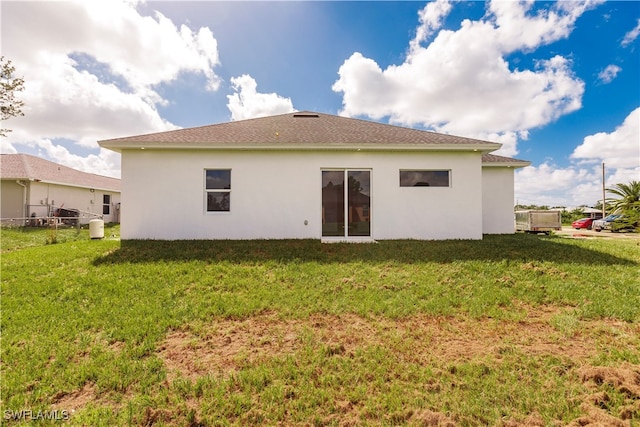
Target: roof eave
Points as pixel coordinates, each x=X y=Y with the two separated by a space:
x=514 y=165
x=480 y=148
x=67 y=184
x=16 y=178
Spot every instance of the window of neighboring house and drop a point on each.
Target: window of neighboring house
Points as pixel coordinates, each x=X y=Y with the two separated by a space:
x=218 y=190
x=106 y=204
x=425 y=178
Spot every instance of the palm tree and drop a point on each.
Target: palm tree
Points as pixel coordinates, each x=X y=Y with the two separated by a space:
x=628 y=196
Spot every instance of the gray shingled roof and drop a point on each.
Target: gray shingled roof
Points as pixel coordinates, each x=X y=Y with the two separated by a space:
x=32 y=168
x=300 y=130
x=495 y=160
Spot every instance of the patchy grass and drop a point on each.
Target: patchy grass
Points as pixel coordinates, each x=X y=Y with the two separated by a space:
x=14 y=238
x=511 y=330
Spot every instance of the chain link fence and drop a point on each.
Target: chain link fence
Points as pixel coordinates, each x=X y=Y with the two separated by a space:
x=41 y=216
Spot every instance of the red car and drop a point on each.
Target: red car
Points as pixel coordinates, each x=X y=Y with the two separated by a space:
x=582 y=223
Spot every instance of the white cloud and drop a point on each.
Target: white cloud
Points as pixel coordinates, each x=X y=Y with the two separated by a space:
x=618 y=149
x=623 y=176
x=66 y=103
x=550 y=185
x=518 y=30
x=106 y=163
x=71 y=100
x=461 y=82
x=248 y=103
x=581 y=182
x=509 y=140
x=631 y=36
x=609 y=73
x=431 y=18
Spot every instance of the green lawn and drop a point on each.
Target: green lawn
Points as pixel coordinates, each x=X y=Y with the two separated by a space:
x=510 y=329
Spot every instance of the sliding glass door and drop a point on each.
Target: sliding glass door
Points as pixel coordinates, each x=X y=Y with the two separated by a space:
x=346 y=203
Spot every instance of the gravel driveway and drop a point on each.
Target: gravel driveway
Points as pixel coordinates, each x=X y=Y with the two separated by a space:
x=572 y=232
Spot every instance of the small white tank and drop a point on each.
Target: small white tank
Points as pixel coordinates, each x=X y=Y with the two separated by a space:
x=96 y=229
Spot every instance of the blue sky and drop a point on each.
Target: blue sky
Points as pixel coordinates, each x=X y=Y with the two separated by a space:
x=557 y=83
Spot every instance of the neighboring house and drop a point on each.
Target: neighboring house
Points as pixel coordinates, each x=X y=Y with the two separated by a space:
x=309 y=175
x=34 y=188
x=587 y=211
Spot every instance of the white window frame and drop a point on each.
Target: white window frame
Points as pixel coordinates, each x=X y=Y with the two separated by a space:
x=215 y=190
x=449 y=171
x=106 y=205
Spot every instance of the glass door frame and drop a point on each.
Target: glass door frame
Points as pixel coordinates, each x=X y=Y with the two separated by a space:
x=347 y=214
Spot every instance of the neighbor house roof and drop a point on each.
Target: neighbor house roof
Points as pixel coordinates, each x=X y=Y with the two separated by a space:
x=301 y=130
x=32 y=168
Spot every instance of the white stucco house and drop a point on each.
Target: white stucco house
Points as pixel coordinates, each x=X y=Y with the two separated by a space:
x=35 y=188
x=309 y=175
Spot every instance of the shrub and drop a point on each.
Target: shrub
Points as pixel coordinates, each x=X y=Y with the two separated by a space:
x=630 y=220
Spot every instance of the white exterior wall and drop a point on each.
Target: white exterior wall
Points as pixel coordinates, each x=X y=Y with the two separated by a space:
x=497 y=200
x=12 y=199
x=274 y=193
x=43 y=194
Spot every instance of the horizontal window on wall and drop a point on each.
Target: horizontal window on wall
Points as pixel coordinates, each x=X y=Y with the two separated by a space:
x=425 y=178
x=218 y=190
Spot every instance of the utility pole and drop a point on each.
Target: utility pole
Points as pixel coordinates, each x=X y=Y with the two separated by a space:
x=604 y=212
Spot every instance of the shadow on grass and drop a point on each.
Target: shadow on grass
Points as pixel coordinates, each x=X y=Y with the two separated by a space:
x=516 y=247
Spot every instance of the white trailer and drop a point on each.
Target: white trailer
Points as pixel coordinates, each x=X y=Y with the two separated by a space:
x=536 y=221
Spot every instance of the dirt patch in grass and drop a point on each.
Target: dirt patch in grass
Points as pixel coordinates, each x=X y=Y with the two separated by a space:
x=226 y=345
x=72 y=401
x=626 y=379
x=603 y=381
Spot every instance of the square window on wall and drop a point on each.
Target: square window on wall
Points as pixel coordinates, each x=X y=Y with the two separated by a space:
x=217 y=189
